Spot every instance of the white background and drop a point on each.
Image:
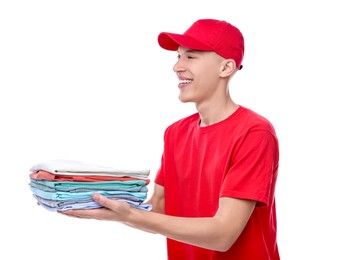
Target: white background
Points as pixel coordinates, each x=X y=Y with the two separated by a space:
x=86 y=80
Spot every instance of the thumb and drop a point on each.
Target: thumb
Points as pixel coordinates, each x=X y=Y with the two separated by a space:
x=105 y=202
x=100 y=199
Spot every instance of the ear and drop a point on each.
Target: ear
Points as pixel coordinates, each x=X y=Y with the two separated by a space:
x=228 y=67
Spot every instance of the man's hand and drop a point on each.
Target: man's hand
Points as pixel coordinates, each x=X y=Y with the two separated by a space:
x=112 y=210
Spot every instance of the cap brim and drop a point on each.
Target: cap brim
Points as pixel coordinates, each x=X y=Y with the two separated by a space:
x=172 y=41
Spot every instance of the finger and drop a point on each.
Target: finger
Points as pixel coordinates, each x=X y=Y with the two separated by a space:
x=104 y=201
x=116 y=207
x=68 y=213
x=80 y=213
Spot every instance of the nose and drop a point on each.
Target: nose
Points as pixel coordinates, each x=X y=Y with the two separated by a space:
x=177 y=67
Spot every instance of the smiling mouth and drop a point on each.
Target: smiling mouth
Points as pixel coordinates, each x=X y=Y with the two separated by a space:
x=184 y=82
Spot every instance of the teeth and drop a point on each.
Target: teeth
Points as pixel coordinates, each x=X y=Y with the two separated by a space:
x=185 y=81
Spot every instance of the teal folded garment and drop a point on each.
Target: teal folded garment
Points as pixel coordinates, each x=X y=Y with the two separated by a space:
x=71 y=186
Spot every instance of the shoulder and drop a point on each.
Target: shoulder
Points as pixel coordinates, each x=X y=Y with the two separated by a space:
x=184 y=123
x=252 y=120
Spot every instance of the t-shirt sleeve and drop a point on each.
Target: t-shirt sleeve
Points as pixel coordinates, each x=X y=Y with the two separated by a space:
x=160 y=176
x=159 y=179
x=253 y=170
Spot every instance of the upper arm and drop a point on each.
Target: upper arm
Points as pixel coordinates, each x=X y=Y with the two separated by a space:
x=233 y=215
x=157 y=199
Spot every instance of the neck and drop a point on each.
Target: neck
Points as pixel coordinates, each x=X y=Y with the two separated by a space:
x=216 y=113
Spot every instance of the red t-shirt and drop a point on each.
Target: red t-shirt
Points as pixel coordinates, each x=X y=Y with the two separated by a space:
x=237 y=157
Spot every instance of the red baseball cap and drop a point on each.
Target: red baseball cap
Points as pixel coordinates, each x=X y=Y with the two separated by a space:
x=208 y=35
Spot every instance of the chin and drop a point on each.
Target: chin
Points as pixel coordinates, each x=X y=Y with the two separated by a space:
x=185 y=99
x=182 y=100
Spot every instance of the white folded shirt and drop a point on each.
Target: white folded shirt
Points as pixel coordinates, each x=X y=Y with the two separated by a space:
x=70 y=167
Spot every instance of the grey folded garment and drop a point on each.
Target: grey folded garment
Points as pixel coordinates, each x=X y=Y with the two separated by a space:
x=54 y=205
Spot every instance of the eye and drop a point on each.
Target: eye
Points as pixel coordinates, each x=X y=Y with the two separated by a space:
x=178 y=56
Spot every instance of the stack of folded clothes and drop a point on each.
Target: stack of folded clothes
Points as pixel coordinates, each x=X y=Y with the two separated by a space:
x=60 y=185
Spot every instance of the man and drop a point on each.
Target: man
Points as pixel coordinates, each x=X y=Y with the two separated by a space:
x=214 y=191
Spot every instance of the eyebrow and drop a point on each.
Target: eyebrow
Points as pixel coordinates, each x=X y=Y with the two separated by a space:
x=191 y=51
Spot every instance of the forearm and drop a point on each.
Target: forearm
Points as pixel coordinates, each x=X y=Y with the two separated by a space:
x=216 y=233
x=208 y=233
